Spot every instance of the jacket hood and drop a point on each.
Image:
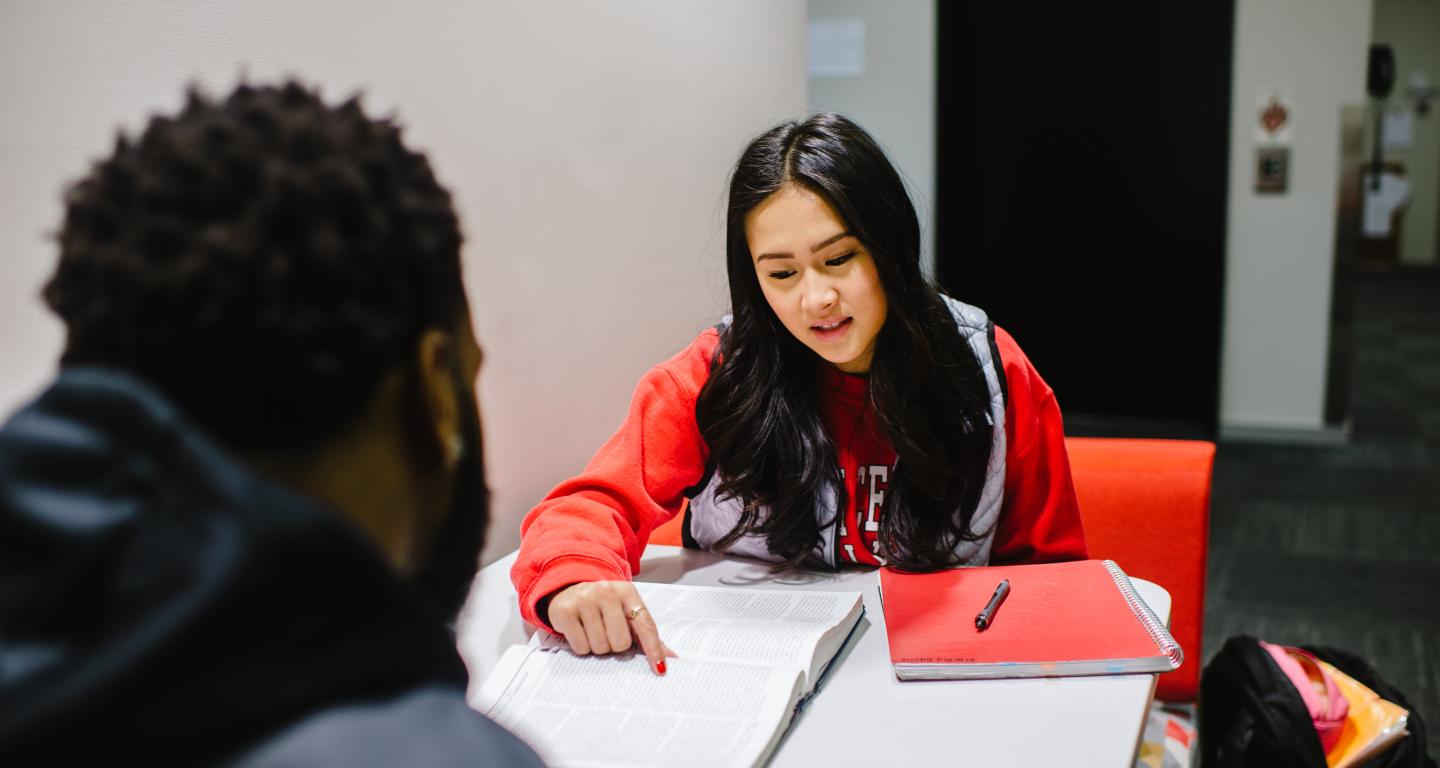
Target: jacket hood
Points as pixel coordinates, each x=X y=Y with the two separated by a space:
x=161 y=603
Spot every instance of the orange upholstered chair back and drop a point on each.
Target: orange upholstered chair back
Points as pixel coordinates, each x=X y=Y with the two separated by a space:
x=1146 y=505
x=668 y=532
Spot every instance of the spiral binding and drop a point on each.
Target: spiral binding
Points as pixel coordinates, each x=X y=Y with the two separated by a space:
x=1146 y=615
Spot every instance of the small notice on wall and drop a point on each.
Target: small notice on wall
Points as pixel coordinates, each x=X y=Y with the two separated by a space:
x=1382 y=204
x=1274 y=118
x=1272 y=169
x=1398 y=129
x=836 y=47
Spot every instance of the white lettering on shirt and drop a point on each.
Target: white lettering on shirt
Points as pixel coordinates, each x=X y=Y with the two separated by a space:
x=879 y=474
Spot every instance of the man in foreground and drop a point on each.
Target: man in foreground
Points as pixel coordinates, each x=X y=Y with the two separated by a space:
x=234 y=526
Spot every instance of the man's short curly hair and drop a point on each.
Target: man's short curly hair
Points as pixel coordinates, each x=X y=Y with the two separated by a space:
x=263 y=260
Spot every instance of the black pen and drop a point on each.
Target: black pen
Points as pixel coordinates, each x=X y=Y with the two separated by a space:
x=986 y=616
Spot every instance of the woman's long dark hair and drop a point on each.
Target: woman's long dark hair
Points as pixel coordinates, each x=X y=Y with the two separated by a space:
x=758 y=413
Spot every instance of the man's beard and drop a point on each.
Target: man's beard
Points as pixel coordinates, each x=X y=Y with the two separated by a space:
x=450 y=561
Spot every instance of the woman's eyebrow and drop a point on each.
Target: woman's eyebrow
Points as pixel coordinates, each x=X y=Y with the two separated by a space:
x=831 y=240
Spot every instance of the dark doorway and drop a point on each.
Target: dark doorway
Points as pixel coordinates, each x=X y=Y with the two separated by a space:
x=1082 y=158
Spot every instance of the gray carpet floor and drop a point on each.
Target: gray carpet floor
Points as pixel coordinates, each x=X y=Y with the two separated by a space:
x=1340 y=545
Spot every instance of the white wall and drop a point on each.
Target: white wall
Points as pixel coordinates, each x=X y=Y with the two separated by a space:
x=1412 y=28
x=1280 y=248
x=587 y=145
x=895 y=97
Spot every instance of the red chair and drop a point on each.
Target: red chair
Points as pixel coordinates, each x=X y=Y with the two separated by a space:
x=1146 y=505
x=669 y=531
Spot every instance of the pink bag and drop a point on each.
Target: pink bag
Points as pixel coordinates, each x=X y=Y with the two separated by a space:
x=1322 y=697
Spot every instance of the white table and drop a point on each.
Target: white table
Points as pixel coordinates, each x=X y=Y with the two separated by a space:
x=862 y=714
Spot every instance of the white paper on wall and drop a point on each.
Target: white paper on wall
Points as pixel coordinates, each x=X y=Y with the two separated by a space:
x=1398 y=128
x=836 y=47
x=1381 y=204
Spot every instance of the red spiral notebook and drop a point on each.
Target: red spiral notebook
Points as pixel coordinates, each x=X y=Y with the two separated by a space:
x=1059 y=619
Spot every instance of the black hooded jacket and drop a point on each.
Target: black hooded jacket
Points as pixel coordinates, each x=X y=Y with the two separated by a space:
x=161 y=605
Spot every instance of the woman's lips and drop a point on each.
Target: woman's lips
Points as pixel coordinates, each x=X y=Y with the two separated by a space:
x=832 y=330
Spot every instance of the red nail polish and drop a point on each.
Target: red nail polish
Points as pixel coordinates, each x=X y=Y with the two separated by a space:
x=660 y=666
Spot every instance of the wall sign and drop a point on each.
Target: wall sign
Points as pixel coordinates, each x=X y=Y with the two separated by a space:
x=1274 y=118
x=1274 y=122
x=1272 y=169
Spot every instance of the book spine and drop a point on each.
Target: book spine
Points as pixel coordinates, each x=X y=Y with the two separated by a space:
x=1146 y=615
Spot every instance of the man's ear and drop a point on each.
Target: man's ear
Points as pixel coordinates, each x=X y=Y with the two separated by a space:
x=435 y=361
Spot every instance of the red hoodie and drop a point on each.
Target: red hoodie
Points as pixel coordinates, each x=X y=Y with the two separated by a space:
x=593 y=527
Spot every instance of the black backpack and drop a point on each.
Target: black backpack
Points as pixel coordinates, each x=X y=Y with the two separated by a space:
x=1251 y=715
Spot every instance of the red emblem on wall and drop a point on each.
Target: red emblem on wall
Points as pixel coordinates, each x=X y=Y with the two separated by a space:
x=1273 y=116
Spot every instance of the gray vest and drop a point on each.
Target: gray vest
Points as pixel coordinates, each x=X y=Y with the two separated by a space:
x=709 y=517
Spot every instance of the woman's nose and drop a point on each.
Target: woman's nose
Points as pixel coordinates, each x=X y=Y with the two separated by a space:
x=820 y=294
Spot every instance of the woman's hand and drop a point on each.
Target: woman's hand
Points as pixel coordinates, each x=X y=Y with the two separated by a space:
x=606 y=617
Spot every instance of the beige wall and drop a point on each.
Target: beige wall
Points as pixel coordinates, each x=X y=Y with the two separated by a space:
x=895 y=98
x=1412 y=28
x=1280 y=248
x=587 y=145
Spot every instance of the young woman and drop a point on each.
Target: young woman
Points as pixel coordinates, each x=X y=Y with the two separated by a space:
x=847 y=413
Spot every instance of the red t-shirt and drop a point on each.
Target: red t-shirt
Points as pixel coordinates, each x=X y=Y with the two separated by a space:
x=866 y=462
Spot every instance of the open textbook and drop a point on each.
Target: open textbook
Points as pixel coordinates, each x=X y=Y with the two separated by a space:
x=748 y=659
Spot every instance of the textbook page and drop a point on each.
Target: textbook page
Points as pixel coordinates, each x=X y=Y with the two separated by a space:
x=751 y=625
x=613 y=711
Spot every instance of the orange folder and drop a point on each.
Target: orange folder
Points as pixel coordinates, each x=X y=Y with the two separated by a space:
x=1372 y=725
